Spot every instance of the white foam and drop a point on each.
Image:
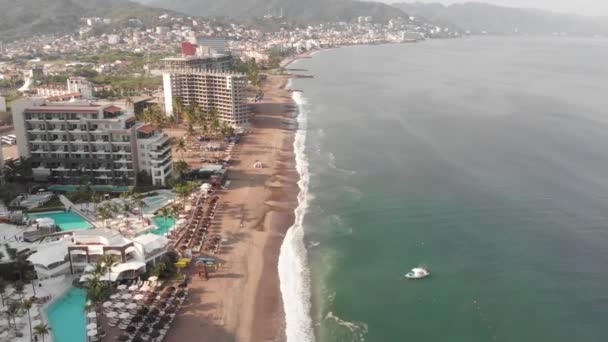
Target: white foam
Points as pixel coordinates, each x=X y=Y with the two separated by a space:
x=355 y=331
x=293 y=265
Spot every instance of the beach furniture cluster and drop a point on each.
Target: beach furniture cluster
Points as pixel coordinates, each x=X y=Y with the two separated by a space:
x=192 y=235
x=143 y=311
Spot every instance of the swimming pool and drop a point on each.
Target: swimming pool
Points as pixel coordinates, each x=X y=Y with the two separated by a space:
x=65 y=220
x=67 y=317
x=161 y=199
x=163 y=224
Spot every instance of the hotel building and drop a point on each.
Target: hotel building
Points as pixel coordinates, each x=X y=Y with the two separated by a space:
x=74 y=142
x=74 y=252
x=223 y=92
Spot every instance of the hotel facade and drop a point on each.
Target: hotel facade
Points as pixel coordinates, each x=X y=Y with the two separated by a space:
x=207 y=82
x=72 y=143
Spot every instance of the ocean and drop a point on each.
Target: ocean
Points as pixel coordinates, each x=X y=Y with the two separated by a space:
x=485 y=159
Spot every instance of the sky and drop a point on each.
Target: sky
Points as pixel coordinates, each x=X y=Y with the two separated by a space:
x=584 y=7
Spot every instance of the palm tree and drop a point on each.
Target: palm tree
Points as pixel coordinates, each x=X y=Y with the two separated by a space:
x=178 y=106
x=3 y=285
x=164 y=213
x=42 y=330
x=11 y=311
x=30 y=276
x=96 y=198
x=104 y=213
x=107 y=260
x=181 y=147
x=139 y=203
x=27 y=305
x=181 y=167
x=19 y=287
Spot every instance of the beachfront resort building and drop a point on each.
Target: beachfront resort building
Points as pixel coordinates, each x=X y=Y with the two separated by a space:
x=74 y=252
x=219 y=91
x=76 y=142
x=154 y=153
x=206 y=80
x=221 y=63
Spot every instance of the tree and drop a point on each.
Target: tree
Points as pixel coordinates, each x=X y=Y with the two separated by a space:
x=19 y=287
x=178 y=106
x=27 y=305
x=30 y=276
x=42 y=330
x=104 y=214
x=181 y=147
x=181 y=167
x=96 y=198
x=3 y=285
x=139 y=203
x=107 y=260
x=164 y=213
x=11 y=311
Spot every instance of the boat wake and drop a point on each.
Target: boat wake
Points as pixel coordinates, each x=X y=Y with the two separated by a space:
x=293 y=269
x=348 y=331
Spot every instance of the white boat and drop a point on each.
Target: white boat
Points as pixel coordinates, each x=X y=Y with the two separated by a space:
x=418 y=273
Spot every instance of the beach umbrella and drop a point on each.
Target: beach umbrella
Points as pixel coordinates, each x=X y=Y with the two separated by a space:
x=131 y=328
x=170 y=310
x=92 y=314
x=136 y=319
x=111 y=314
x=119 y=305
x=138 y=296
x=150 y=319
x=137 y=339
x=143 y=311
x=106 y=304
x=154 y=333
x=123 y=338
x=126 y=296
x=92 y=333
x=131 y=306
x=133 y=287
x=158 y=326
x=154 y=312
x=144 y=329
x=115 y=296
x=121 y=287
x=91 y=326
x=124 y=315
x=153 y=278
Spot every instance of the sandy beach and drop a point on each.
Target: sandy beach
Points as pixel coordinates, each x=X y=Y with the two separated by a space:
x=242 y=301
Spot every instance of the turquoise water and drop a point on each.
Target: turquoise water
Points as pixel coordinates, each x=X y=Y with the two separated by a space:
x=65 y=220
x=153 y=203
x=483 y=158
x=163 y=224
x=67 y=317
x=72 y=188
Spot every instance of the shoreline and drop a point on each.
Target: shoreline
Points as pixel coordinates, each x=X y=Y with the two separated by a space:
x=242 y=300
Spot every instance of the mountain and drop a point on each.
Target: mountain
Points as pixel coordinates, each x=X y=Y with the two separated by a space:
x=298 y=11
x=479 y=17
x=24 y=18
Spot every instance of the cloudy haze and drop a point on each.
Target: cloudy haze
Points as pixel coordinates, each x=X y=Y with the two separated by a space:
x=585 y=7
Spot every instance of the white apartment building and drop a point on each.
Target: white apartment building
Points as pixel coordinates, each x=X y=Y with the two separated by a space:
x=211 y=45
x=154 y=153
x=76 y=87
x=223 y=92
x=80 y=85
x=72 y=142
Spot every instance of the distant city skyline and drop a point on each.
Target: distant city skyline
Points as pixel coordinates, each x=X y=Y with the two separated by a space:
x=582 y=7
